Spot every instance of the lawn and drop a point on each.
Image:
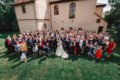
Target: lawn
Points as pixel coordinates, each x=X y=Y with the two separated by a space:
x=56 y=68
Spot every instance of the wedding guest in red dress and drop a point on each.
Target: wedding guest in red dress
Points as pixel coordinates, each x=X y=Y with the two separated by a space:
x=98 y=52
x=110 y=47
x=75 y=48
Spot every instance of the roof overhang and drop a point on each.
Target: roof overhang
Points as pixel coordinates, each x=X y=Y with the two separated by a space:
x=18 y=2
x=62 y=1
x=100 y=5
x=101 y=17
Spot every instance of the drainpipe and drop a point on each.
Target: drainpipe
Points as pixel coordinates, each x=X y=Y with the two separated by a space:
x=51 y=16
x=35 y=15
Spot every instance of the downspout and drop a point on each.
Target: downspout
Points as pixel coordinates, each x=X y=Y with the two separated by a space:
x=51 y=16
x=35 y=15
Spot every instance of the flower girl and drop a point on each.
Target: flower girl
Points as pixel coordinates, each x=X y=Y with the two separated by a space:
x=23 y=57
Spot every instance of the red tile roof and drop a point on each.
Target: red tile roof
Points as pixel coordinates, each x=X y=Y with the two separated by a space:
x=21 y=1
x=24 y=1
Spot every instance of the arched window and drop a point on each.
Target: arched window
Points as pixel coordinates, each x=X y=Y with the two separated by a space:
x=56 y=10
x=72 y=10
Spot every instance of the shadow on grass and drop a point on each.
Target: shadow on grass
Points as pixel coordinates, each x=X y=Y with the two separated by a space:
x=41 y=57
x=11 y=57
x=15 y=58
x=76 y=57
x=113 y=59
x=33 y=58
x=117 y=51
x=52 y=55
x=17 y=65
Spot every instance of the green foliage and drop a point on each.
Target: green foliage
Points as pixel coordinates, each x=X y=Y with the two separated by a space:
x=111 y=31
x=7 y=15
x=113 y=18
x=113 y=2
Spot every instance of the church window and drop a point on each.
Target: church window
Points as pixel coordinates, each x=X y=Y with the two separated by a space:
x=72 y=10
x=98 y=21
x=56 y=10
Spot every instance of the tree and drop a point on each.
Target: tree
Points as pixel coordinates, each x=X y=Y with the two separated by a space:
x=113 y=18
x=7 y=15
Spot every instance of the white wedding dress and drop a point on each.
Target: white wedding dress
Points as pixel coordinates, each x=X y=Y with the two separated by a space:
x=60 y=51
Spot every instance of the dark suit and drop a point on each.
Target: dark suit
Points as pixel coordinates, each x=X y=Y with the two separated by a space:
x=30 y=45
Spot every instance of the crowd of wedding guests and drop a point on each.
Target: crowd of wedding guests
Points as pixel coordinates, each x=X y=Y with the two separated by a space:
x=76 y=42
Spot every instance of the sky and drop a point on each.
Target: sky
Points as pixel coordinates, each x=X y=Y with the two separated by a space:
x=107 y=8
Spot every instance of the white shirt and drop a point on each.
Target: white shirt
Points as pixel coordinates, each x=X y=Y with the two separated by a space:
x=81 y=43
x=106 y=37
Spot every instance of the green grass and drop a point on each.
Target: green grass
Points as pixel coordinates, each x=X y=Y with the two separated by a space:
x=56 y=68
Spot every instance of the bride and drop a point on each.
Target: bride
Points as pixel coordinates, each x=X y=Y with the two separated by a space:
x=60 y=51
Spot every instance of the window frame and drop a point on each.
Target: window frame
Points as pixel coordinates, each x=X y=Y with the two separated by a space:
x=98 y=20
x=23 y=8
x=72 y=10
x=56 y=10
x=45 y=25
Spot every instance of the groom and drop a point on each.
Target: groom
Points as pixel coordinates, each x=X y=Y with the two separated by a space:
x=63 y=40
x=54 y=44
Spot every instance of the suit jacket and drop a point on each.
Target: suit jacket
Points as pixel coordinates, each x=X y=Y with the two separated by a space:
x=30 y=43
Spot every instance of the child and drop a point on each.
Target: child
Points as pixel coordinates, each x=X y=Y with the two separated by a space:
x=103 y=44
x=98 y=53
x=40 y=48
x=85 y=49
x=23 y=57
x=91 y=48
x=47 y=49
x=23 y=49
x=17 y=48
x=71 y=49
x=43 y=49
x=95 y=48
x=36 y=49
x=75 y=48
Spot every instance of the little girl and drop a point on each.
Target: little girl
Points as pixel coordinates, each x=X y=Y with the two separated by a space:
x=91 y=48
x=23 y=57
x=75 y=48
x=95 y=48
x=24 y=49
x=36 y=49
x=17 y=48
x=98 y=53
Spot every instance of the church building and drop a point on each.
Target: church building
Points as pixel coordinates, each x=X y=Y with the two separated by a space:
x=56 y=14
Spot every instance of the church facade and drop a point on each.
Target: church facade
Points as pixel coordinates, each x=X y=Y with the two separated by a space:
x=56 y=14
